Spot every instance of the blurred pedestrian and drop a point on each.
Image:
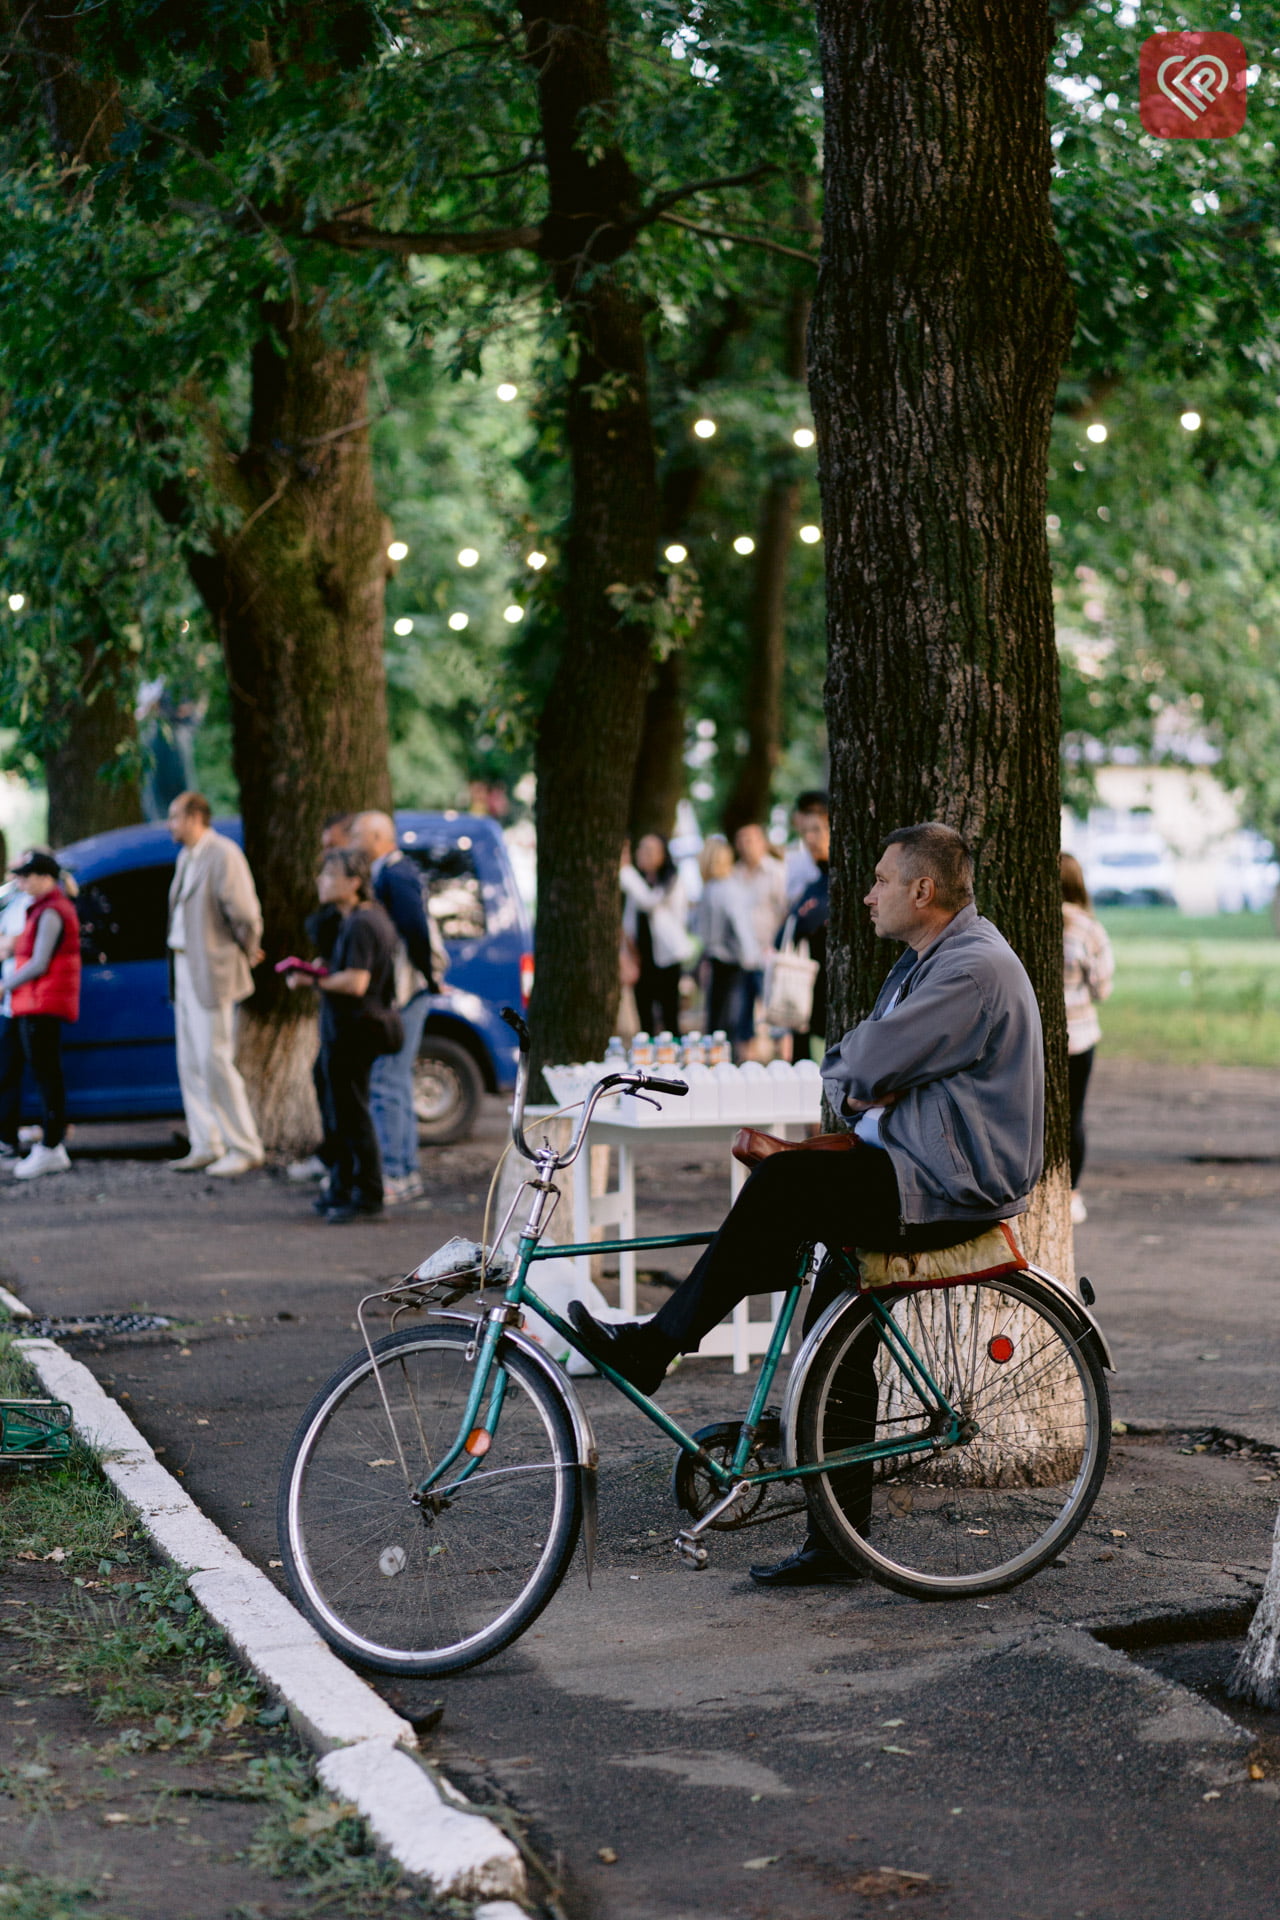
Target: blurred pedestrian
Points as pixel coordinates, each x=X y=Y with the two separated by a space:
x=1088 y=970
x=13 y=916
x=722 y=921
x=397 y=887
x=215 y=939
x=762 y=876
x=322 y=928
x=808 y=921
x=655 y=917
x=801 y=867
x=44 y=994
x=358 y=1025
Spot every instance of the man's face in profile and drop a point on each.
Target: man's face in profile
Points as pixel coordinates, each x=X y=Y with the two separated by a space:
x=893 y=899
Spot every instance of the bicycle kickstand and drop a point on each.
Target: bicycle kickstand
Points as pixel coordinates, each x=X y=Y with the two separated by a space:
x=687 y=1544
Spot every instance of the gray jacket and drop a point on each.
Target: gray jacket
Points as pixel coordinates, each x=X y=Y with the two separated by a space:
x=963 y=1047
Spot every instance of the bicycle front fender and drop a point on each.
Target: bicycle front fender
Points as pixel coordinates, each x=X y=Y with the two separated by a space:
x=800 y=1373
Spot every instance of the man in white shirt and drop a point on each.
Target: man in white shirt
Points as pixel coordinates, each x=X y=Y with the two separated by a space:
x=215 y=939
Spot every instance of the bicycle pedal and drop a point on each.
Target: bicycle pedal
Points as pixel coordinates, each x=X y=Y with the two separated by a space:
x=691 y=1550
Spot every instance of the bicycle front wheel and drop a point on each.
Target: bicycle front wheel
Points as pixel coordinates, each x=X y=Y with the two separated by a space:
x=954 y=1517
x=434 y=1587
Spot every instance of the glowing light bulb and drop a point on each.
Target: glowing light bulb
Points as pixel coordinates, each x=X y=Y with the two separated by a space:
x=1097 y=433
x=402 y=627
x=467 y=557
x=513 y=615
x=459 y=622
x=397 y=550
x=1190 y=421
x=704 y=429
x=675 y=553
x=744 y=544
x=811 y=535
x=536 y=560
x=17 y=601
x=804 y=436
x=506 y=391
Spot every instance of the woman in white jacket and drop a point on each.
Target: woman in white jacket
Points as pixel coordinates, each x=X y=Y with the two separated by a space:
x=655 y=916
x=1088 y=967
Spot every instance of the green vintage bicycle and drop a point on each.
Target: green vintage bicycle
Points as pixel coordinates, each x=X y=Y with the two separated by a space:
x=950 y=1440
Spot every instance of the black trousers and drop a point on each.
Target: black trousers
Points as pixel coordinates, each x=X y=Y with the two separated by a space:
x=1079 y=1067
x=356 y=1178
x=324 y=1100
x=723 y=994
x=658 y=999
x=843 y=1199
x=34 y=1040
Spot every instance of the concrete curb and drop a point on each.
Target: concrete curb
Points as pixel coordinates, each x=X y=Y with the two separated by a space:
x=362 y=1742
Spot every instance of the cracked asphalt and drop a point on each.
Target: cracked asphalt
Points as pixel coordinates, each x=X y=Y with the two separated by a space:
x=836 y=1752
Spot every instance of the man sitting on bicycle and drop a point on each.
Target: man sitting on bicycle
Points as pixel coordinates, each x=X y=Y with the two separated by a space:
x=944 y=1088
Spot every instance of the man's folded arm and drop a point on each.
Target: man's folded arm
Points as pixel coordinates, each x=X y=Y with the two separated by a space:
x=938 y=1030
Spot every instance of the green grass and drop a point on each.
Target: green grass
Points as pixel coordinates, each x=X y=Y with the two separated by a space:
x=1193 y=992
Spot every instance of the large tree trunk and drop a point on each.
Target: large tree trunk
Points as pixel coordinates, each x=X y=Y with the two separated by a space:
x=1256 y=1676
x=589 y=729
x=941 y=318
x=88 y=790
x=297 y=591
x=660 y=771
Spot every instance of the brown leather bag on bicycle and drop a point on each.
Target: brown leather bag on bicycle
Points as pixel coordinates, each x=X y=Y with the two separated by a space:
x=751 y=1146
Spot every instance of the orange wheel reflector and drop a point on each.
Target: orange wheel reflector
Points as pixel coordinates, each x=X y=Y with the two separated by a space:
x=1001 y=1348
x=479 y=1441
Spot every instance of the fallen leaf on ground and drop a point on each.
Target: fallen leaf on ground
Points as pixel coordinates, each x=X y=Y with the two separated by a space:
x=907 y=1750
x=320 y=1819
x=762 y=1860
x=58 y=1554
x=1257 y=1771
x=607 y=1856
x=892 y=1880
x=236 y=1718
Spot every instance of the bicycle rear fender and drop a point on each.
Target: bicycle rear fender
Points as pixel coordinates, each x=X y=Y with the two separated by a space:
x=1083 y=1324
x=583 y=1433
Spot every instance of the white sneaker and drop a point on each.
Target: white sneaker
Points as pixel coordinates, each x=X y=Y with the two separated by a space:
x=42 y=1159
x=399 y=1189
x=1079 y=1211
x=232 y=1165
x=312 y=1168
x=193 y=1162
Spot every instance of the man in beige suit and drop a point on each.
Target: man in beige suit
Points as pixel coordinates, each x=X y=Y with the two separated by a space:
x=215 y=935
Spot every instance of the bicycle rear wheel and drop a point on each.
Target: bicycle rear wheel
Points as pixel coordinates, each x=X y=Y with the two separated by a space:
x=404 y=1588
x=982 y=1515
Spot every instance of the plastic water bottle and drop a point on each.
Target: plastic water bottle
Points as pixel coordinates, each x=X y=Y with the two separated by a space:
x=615 y=1056
x=720 y=1053
x=691 y=1051
x=665 y=1050
x=642 y=1053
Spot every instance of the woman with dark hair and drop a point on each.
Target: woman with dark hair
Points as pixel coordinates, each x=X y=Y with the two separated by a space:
x=655 y=918
x=1088 y=966
x=358 y=1023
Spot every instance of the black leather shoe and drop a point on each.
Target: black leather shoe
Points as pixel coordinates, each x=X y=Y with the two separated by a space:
x=807 y=1567
x=342 y=1216
x=631 y=1349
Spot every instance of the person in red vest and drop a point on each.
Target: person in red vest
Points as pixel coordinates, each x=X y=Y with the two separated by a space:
x=44 y=992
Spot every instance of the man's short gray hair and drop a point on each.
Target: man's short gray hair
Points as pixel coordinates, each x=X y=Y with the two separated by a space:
x=936 y=852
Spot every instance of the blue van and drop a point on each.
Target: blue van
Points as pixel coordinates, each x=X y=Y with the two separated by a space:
x=120 y=1060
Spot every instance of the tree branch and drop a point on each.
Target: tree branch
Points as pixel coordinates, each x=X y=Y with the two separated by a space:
x=358 y=239
x=740 y=239
x=664 y=200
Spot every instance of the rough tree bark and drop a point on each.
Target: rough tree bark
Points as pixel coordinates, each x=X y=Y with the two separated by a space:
x=941 y=318
x=589 y=730
x=93 y=728
x=296 y=591
x=95 y=725
x=1257 y=1672
x=660 y=771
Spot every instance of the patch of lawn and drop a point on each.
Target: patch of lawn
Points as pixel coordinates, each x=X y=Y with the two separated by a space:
x=1193 y=992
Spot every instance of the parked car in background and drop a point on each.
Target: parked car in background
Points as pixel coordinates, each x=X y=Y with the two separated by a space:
x=1248 y=875
x=1130 y=870
x=119 y=1058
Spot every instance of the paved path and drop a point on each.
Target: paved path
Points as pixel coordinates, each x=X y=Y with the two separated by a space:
x=691 y=1724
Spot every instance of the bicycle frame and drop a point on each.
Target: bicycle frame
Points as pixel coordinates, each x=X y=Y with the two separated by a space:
x=488 y=1386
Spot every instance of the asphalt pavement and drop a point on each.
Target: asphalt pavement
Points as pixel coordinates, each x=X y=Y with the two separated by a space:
x=1061 y=1751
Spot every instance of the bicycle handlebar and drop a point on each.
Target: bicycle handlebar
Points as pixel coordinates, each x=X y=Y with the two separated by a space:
x=634 y=1081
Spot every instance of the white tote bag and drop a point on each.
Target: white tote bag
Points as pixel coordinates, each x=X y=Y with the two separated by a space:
x=788 y=987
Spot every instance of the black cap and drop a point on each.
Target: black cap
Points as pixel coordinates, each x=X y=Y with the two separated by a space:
x=37 y=863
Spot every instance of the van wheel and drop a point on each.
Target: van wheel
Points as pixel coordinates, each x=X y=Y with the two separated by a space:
x=447 y=1090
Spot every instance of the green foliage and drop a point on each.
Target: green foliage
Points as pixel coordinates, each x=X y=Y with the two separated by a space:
x=39 y=1896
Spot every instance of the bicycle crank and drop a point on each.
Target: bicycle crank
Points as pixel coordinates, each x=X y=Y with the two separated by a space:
x=687 y=1544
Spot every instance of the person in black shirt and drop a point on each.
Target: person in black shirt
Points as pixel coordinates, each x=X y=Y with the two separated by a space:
x=358 y=1023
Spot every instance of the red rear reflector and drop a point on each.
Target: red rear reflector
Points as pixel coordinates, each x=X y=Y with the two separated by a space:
x=526 y=977
x=478 y=1441
x=1001 y=1348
